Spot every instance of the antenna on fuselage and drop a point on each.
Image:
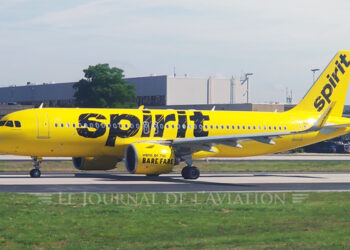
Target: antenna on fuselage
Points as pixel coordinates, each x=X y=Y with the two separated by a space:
x=41 y=105
x=142 y=107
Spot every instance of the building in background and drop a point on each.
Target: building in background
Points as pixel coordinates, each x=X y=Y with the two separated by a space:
x=52 y=95
x=150 y=91
x=168 y=90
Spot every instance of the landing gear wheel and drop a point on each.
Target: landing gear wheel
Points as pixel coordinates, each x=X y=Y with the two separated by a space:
x=184 y=172
x=35 y=173
x=190 y=172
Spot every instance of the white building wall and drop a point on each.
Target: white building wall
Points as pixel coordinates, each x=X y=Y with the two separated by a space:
x=239 y=91
x=220 y=91
x=186 y=91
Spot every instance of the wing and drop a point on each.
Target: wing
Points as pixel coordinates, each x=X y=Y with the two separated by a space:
x=188 y=146
x=185 y=146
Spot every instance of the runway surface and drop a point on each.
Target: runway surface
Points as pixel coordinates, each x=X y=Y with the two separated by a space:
x=217 y=182
x=272 y=157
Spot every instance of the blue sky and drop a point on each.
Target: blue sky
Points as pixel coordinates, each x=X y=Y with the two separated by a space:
x=279 y=41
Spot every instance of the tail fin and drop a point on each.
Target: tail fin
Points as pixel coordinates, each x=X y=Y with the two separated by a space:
x=330 y=87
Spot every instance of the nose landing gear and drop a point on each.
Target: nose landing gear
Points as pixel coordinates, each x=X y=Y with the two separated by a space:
x=36 y=173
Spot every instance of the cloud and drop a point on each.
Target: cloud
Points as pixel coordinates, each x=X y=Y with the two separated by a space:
x=277 y=40
x=84 y=13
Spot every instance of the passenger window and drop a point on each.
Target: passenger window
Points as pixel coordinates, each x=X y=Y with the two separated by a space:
x=254 y=127
x=9 y=124
x=217 y=127
x=62 y=125
x=67 y=125
x=238 y=127
x=167 y=126
x=206 y=126
x=233 y=126
x=222 y=127
x=156 y=129
x=200 y=126
x=243 y=127
x=146 y=128
x=2 y=123
x=211 y=126
x=73 y=125
x=17 y=124
x=248 y=127
x=56 y=125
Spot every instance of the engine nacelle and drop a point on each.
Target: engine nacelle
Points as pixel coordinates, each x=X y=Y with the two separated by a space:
x=95 y=163
x=149 y=158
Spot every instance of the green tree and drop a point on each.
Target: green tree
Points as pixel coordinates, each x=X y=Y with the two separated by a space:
x=104 y=87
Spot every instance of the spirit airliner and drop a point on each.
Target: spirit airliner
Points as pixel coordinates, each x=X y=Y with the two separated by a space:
x=152 y=142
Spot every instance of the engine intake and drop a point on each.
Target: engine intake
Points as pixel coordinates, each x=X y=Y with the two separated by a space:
x=149 y=158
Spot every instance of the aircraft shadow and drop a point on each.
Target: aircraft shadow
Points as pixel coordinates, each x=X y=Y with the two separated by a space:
x=166 y=179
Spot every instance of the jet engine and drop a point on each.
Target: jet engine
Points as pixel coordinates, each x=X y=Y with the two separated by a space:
x=95 y=163
x=149 y=159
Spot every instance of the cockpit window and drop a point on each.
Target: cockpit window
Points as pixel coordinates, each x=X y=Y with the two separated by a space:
x=9 y=124
x=2 y=123
x=17 y=124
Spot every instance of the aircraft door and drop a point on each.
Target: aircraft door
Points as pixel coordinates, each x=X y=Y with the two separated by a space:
x=43 y=125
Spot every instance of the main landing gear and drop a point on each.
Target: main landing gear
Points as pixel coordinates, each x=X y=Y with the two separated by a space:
x=190 y=171
x=36 y=173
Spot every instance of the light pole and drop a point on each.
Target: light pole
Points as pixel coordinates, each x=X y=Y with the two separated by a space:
x=246 y=79
x=313 y=74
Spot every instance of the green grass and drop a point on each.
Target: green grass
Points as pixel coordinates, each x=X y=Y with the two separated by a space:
x=322 y=220
x=212 y=166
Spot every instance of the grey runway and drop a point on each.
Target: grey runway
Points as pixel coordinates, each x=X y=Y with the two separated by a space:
x=215 y=182
x=272 y=157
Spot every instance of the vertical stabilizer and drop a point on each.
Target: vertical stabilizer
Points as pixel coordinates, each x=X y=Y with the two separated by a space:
x=330 y=87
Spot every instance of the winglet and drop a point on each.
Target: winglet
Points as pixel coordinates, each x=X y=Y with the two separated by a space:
x=323 y=118
x=142 y=107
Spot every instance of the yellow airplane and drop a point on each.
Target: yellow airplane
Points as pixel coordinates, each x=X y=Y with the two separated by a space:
x=152 y=142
